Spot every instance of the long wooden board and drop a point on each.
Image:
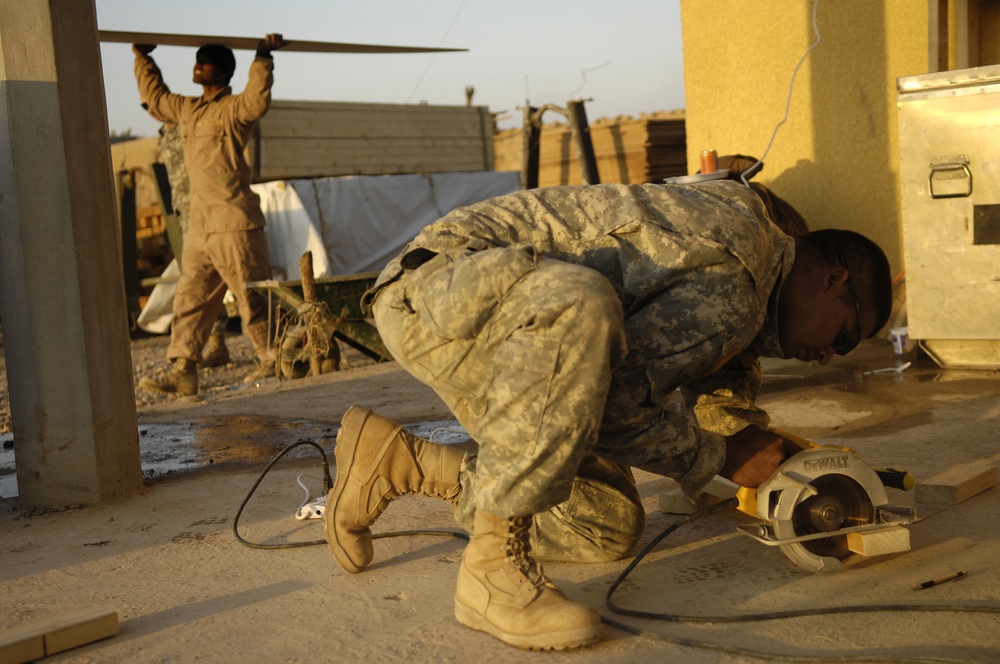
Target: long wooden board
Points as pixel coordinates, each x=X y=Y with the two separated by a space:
x=250 y=43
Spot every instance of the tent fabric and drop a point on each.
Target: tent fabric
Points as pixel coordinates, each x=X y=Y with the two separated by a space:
x=158 y=312
x=366 y=220
x=291 y=231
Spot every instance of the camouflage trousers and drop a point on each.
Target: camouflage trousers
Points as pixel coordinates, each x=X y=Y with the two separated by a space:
x=521 y=349
x=601 y=521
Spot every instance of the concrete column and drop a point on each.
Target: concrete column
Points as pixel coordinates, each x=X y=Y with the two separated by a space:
x=62 y=300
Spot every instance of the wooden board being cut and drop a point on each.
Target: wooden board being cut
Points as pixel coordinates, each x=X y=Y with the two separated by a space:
x=958 y=483
x=894 y=539
x=250 y=43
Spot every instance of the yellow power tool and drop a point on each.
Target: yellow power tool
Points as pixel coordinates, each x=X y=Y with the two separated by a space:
x=817 y=498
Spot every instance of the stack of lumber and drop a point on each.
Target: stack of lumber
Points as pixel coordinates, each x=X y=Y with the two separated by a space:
x=628 y=150
x=302 y=139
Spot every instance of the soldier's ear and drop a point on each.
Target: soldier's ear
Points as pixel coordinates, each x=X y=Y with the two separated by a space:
x=833 y=277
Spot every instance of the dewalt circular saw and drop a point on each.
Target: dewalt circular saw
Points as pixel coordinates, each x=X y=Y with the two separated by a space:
x=825 y=506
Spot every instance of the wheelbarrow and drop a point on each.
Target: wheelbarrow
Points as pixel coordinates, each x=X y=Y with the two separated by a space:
x=342 y=315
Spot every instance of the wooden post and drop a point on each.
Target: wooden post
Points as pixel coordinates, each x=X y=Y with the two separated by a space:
x=584 y=144
x=309 y=295
x=531 y=149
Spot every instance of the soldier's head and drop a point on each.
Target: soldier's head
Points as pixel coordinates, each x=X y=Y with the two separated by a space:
x=838 y=292
x=214 y=65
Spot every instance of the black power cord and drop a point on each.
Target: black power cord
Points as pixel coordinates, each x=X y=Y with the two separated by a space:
x=327 y=485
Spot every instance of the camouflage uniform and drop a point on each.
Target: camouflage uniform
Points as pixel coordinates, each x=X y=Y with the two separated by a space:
x=225 y=245
x=557 y=323
x=171 y=145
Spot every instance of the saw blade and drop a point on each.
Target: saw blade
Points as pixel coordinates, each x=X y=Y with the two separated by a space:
x=839 y=502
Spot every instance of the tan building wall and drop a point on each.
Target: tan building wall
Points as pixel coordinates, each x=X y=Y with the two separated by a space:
x=836 y=158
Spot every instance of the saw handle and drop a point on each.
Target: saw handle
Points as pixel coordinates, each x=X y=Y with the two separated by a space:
x=895 y=478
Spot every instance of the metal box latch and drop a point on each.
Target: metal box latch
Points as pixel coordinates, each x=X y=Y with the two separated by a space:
x=950 y=176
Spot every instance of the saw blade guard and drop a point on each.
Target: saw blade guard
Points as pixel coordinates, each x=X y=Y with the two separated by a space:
x=816 y=491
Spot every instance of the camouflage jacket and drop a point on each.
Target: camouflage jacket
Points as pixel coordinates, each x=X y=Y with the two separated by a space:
x=216 y=130
x=172 y=155
x=696 y=269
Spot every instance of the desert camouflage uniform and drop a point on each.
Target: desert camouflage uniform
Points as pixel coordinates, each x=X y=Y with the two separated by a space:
x=559 y=323
x=224 y=245
x=171 y=145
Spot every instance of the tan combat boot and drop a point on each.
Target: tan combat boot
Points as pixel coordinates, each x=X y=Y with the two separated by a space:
x=181 y=378
x=378 y=461
x=260 y=373
x=215 y=353
x=502 y=591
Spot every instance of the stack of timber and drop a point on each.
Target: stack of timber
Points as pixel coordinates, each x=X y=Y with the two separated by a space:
x=303 y=139
x=628 y=150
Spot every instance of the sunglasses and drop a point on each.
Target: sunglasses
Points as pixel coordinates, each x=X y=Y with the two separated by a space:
x=846 y=342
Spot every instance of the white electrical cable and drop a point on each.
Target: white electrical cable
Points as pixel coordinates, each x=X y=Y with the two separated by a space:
x=788 y=101
x=434 y=55
x=306 y=489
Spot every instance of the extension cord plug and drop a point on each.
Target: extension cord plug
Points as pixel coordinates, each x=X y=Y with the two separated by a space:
x=313 y=510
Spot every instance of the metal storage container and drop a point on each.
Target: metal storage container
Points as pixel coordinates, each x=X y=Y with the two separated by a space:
x=949 y=148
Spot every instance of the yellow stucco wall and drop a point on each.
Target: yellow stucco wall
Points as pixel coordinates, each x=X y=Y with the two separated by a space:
x=836 y=158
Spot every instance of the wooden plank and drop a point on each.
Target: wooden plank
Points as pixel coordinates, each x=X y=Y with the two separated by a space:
x=250 y=43
x=895 y=539
x=343 y=151
x=58 y=633
x=21 y=647
x=405 y=168
x=279 y=119
x=429 y=109
x=302 y=164
x=280 y=123
x=306 y=147
x=370 y=107
x=408 y=164
x=957 y=483
x=85 y=626
x=411 y=164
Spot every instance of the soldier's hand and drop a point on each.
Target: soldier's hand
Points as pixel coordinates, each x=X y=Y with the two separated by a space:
x=752 y=456
x=143 y=49
x=271 y=42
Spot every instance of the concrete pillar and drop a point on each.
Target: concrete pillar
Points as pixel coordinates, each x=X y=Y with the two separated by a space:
x=62 y=300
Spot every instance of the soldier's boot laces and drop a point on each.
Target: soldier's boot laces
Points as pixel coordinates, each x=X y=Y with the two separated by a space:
x=502 y=590
x=181 y=378
x=215 y=354
x=378 y=461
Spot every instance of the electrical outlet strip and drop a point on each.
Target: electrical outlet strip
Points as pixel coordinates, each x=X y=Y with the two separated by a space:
x=313 y=510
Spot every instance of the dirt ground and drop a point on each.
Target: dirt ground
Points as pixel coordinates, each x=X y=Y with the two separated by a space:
x=186 y=589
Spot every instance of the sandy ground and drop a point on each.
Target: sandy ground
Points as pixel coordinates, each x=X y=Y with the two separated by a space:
x=187 y=590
